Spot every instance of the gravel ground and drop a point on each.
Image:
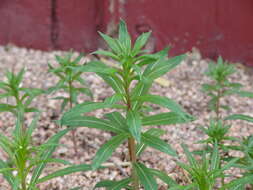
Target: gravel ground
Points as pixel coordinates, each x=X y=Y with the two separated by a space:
x=183 y=85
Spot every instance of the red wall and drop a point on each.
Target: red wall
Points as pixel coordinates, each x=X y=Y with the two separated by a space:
x=216 y=27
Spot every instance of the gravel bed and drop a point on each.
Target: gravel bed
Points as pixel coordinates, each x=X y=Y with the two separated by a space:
x=184 y=85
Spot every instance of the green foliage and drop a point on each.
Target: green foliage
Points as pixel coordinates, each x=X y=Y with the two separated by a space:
x=220 y=86
x=69 y=75
x=205 y=173
x=28 y=159
x=131 y=81
x=12 y=89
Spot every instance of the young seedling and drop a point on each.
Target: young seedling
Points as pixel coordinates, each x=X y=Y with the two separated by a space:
x=12 y=90
x=246 y=145
x=204 y=173
x=24 y=158
x=219 y=87
x=131 y=82
x=69 y=76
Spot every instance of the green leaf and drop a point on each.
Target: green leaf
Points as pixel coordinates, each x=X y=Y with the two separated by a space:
x=7 y=174
x=6 y=108
x=124 y=37
x=65 y=171
x=83 y=108
x=47 y=153
x=146 y=176
x=157 y=143
x=113 y=99
x=140 y=89
x=111 y=43
x=153 y=131
x=161 y=67
x=189 y=156
x=97 y=67
x=91 y=122
x=106 y=53
x=169 y=118
x=164 y=177
x=114 y=82
x=107 y=149
x=240 y=117
x=238 y=183
x=113 y=185
x=117 y=120
x=215 y=159
x=134 y=124
x=245 y=94
x=140 y=42
x=167 y=103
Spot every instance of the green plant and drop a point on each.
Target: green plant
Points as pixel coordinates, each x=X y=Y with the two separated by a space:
x=25 y=158
x=69 y=76
x=12 y=90
x=204 y=173
x=246 y=145
x=219 y=87
x=131 y=81
x=28 y=159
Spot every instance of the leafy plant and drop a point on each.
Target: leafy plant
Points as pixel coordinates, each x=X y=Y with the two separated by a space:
x=24 y=158
x=219 y=87
x=205 y=173
x=131 y=82
x=27 y=159
x=12 y=90
x=69 y=76
x=246 y=145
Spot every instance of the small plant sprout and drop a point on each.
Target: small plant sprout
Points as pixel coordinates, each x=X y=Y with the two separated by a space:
x=69 y=76
x=22 y=97
x=219 y=87
x=246 y=145
x=131 y=82
x=24 y=158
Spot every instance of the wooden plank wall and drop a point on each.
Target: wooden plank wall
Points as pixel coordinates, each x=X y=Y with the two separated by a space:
x=216 y=27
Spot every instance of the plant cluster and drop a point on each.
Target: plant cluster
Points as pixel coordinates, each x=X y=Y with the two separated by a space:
x=131 y=79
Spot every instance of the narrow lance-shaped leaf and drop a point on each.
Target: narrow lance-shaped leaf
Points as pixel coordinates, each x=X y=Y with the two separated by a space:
x=169 y=118
x=107 y=149
x=117 y=120
x=167 y=103
x=162 y=66
x=113 y=185
x=164 y=177
x=153 y=131
x=7 y=174
x=92 y=122
x=240 y=117
x=157 y=143
x=146 y=176
x=134 y=124
x=47 y=154
x=65 y=171
x=140 y=42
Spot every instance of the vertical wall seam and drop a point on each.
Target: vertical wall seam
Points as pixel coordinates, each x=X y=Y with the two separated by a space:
x=54 y=29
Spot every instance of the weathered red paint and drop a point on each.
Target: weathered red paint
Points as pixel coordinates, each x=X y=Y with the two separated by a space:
x=215 y=27
x=78 y=23
x=25 y=23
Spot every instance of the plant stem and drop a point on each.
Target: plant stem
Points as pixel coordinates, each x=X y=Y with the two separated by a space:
x=131 y=141
x=23 y=183
x=73 y=132
x=217 y=109
x=133 y=159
